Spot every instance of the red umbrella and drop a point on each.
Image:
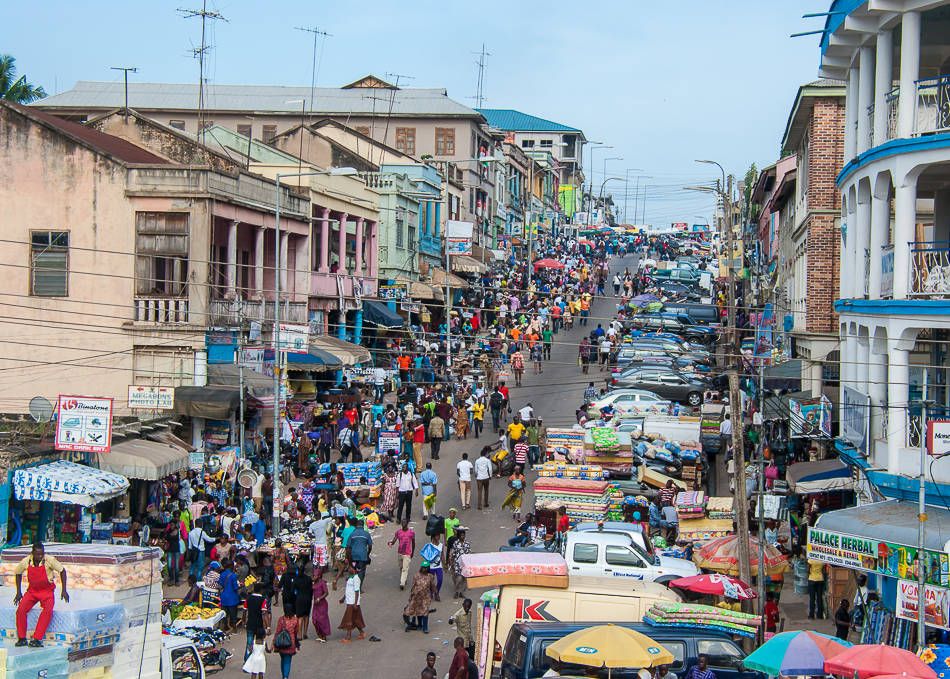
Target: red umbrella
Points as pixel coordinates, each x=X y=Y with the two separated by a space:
x=865 y=661
x=548 y=264
x=722 y=555
x=715 y=583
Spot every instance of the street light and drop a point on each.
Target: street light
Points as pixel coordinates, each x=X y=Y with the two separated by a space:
x=636 y=196
x=626 y=191
x=335 y=172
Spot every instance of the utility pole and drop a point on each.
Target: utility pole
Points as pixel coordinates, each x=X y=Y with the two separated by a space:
x=480 y=87
x=125 y=73
x=922 y=527
x=199 y=53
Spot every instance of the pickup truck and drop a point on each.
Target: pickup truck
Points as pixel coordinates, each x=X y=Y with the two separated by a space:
x=180 y=659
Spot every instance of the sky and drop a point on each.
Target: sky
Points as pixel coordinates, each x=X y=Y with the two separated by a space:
x=663 y=83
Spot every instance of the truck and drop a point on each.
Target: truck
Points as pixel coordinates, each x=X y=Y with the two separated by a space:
x=180 y=659
x=585 y=599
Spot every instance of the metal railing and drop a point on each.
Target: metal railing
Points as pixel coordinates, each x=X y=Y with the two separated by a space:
x=891 y=99
x=867 y=273
x=932 y=106
x=239 y=311
x=870 y=138
x=161 y=309
x=916 y=428
x=930 y=269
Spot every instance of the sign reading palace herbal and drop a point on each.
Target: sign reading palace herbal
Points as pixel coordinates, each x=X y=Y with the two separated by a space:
x=876 y=556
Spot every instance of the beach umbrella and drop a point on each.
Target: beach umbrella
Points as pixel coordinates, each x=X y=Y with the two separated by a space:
x=609 y=646
x=937 y=656
x=722 y=555
x=794 y=653
x=548 y=264
x=715 y=583
x=866 y=661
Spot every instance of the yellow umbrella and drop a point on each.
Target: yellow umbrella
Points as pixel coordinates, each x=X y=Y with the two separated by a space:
x=609 y=646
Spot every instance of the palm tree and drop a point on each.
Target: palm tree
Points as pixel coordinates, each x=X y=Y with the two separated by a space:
x=16 y=89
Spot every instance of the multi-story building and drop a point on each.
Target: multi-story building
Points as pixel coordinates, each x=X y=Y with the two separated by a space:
x=894 y=306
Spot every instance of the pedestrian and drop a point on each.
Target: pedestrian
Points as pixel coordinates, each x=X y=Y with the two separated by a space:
x=842 y=620
x=359 y=546
x=495 y=404
x=405 y=539
x=516 y=484
x=563 y=525
x=429 y=483
x=407 y=484
x=478 y=417
x=255 y=662
x=462 y=619
x=436 y=563
x=483 y=472
x=436 y=435
x=230 y=596
x=320 y=612
x=198 y=541
x=517 y=366
x=464 y=471
x=418 y=438
x=41 y=570
x=353 y=615
x=459 y=667
x=423 y=591
x=286 y=641
x=859 y=605
x=701 y=669
x=258 y=617
x=460 y=547
x=771 y=613
x=537 y=356
x=303 y=597
x=428 y=672
x=816 y=589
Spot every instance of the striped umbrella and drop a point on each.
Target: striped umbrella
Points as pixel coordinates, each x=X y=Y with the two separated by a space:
x=794 y=653
x=722 y=555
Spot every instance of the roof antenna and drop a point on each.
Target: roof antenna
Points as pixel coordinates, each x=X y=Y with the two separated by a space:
x=317 y=33
x=125 y=72
x=480 y=89
x=199 y=53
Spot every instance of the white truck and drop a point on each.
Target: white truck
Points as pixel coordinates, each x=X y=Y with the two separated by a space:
x=181 y=659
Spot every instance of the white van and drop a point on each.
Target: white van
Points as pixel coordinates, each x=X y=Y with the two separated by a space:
x=617 y=555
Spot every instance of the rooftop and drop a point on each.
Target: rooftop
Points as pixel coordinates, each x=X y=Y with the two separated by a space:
x=510 y=120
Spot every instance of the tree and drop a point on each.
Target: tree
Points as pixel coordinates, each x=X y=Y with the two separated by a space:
x=751 y=177
x=14 y=89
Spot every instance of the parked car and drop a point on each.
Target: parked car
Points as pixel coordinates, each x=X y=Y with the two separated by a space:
x=671 y=346
x=671 y=384
x=700 y=313
x=629 y=402
x=677 y=289
x=635 y=357
x=680 y=324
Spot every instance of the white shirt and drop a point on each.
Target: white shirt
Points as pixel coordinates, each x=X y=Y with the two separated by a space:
x=197 y=538
x=526 y=413
x=352 y=595
x=407 y=482
x=318 y=531
x=379 y=376
x=605 y=346
x=465 y=468
x=725 y=429
x=483 y=468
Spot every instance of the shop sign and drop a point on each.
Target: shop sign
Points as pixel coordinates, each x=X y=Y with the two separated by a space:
x=938 y=437
x=855 y=418
x=411 y=307
x=936 y=604
x=566 y=443
x=365 y=373
x=396 y=291
x=294 y=339
x=458 y=246
x=253 y=358
x=84 y=423
x=152 y=398
x=389 y=443
x=810 y=418
x=196 y=460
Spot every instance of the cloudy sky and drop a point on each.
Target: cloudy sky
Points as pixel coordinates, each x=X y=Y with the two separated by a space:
x=662 y=82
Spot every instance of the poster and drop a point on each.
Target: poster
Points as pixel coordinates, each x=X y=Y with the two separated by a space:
x=253 y=359
x=565 y=443
x=217 y=432
x=458 y=237
x=294 y=339
x=936 y=604
x=153 y=398
x=810 y=418
x=938 y=437
x=396 y=291
x=458 y=246
x=411 y=307
x=84 y=424
x=389 y=442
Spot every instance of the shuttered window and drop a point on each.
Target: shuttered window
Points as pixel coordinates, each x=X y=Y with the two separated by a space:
x=161 y=253
x=49 y=263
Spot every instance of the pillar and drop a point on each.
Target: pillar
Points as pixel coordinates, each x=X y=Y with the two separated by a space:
x=324 y=240
x=341 y=243
x=865 y=96
x=848 y=357
x=358 y=326
x=431 y=227
x=372 y=250
x=359 y=247
x=438 y=217
x=282 y=264
x=851 y=115
x=898 y=377
x=877 y=390
x=232 y=260
x=814 y=378
x=905 y=218
x=341 y=328
x=880 y=221
x=910 y=70
x=858 y=235
x=422 y=228
x=861 y=368
x=883 y=65
x=846 y=282
x=259 y=261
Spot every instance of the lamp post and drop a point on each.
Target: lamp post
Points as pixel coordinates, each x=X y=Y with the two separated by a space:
x=590 y=204
x=336 y=171
x=626 y=191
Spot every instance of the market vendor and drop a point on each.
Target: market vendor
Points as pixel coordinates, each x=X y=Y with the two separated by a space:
x=41 y=572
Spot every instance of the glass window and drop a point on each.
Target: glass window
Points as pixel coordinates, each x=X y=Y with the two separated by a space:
x=720 y=652
x=445 y=141
x=268 y=132
x=244 y=130
x=49 y=263
x=177 y=124
x=406 y=140
x=585 y=553
x=623 y=556
x=161 y=253
x=527 y=143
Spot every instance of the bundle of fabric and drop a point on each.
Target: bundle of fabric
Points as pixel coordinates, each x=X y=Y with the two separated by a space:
x=703 y=530
x=562 y=470
x=690 y=504
x=23 y=662
x=721 y=508
x=670 y=614
x=585 y=500
x=493 y=569
x=605 y=439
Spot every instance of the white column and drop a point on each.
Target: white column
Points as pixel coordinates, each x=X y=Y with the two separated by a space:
x=865 y=96
x=898 y=377
x=880 y=220
x=910 y=71
x=232 y=260
x=284 y=238
x=814 y=378
x=851 y=115
x=848 y=357
x=341 y=243
x=877 y=390
x=860 y=372
x=861 y=234
x=259 y=261
x=359 y=247
x=847 y=262
x=905 y=218
x=883 y=65
x=324 y=221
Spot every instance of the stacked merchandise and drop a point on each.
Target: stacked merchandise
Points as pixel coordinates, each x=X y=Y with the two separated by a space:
x=532 y=569
x=585 y=500
x=354 y=471
x=691 y=616
x=615 y=510
x=610 y=449
x=721 y=508
x=562 y=470
x=883 y=627
x=29 y=663
x=114 y=613
x=690 y=504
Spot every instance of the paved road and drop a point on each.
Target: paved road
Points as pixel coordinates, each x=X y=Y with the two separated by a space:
x=554 y=395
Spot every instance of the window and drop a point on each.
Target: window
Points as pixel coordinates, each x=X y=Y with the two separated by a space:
x=400 y=225
x=268 y=132
x=547 y=143
x=406 y=140
x=177 y=124
x=161 y=253
x=570 y=144
x=445 y=141
x=623 y=556
x=363 y=129
x=585 y=553
x=49 y=263
x=411 y=239
x=527 y=143
x=244 y=130
x=719 y=652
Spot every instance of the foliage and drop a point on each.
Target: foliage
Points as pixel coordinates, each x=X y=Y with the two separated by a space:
x=18 y=90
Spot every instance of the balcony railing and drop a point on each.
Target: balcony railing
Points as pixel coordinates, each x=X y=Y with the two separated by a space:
x=930 y=269
x=870 y=138
x=161 y=309
x=933 y=105
x=916 y=427
x=887 y=272
x=241 y=311
x=891 y=99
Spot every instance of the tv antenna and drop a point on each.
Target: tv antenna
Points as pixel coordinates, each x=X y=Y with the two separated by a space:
x=480 y=89
x=125 y=72
x=317 y=33
x=199 y=54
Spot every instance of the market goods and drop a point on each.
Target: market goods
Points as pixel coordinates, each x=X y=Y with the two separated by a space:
x=571 y=471
x=353 y=471
x=493 y=569
x=605 y=439
x=194 y=613
x=721 y=508
x=671 y=614
x=585 y=500
x=690 y=504
x=702 y=530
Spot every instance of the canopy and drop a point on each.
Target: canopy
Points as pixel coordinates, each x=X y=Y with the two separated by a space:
x=548 y=264
x=795 y=654
x=466 y=264
x=67 y=482
x=893 y=521
x=715 y=583
x=213 y=403
x=347 y=352
x=609 y=646
x=419 y=290
x=143 y=459
x=819 y=477
x=315 y=359
x=380 y=314
x=440 y=277
x=258 y=385
x=866 y=660
x=722 y=555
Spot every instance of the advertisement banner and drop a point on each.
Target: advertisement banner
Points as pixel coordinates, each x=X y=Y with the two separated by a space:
x=565 y=443
x=411 y=307
x=84 y=424
x=396 y=291
x=294 y=339
x=253 y=359
x=936 y=604
x=762 y=351
x=151 y=398
x=458 y=229
x=855 y=418
x=389 y=442
x=458 y=246
x=842 y=550
x=810 y=418
x=938 y=437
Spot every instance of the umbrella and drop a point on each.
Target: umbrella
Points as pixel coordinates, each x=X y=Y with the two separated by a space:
x=548 y=264
x=794 y=653
x=644 y=299
x=722 y=555
x=609 y=646
x=865 y=661
x=937 y=656
x=584 y=241
x=722 y=585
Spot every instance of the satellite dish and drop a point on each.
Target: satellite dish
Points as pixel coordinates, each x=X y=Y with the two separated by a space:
x=41 y=409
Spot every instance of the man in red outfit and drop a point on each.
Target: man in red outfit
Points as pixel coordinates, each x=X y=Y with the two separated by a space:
x=40 y=572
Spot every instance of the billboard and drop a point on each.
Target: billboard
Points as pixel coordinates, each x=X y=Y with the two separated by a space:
x=84 y=424
x=855 y=418
x=294 y=339
x=458 y=237
x=810 y=418
x=151 y=398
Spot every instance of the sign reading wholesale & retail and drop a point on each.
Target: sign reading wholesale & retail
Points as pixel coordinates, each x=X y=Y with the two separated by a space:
x=84 y=423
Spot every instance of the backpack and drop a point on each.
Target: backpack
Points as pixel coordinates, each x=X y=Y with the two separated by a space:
x=283 y=640
x=435 y=525
x=495 y=400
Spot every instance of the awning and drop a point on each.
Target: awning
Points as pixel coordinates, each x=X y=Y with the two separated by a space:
x=315 y=359
x=439 y=277
x=347 y=352
x=819 y=477
x=466 y=264
x=893 y=521
x=144 y=459
x=67 y=482
x=786 y=376
x=213 y=403
x=258 y=385
x=419 y=290
x=380 y=314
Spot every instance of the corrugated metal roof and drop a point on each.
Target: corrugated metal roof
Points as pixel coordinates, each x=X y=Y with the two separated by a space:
x=515 y=121
x=258 y=98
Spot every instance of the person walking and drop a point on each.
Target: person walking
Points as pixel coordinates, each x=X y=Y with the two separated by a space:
x=462 y=619
x=478 y=417
x=437 y=562
x=464 y=470
x=429 y=483
x=436 y=435
x=303 y=597
x=255 y=662
x=320 y=612
x=353 y=615
x=842 y=620
x=407 y=484
x=405 y=539
x=516 y=484
x=495 y=403
x=418 y=438
x=584 y=352
x=286 y=641
x=460 y=547
x=198 y=539
x=537 y=356
x=483 y=472
x=517 y=366
x=416 y=613
x=257 y=621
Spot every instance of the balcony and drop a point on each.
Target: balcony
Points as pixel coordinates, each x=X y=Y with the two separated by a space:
x=932 y=112
x=930 y=269
x=243 y=311
x=430 y=245
x=887 y=272
x=161 y=310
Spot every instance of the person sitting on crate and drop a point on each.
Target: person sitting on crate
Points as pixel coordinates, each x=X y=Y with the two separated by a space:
x=40 y=572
